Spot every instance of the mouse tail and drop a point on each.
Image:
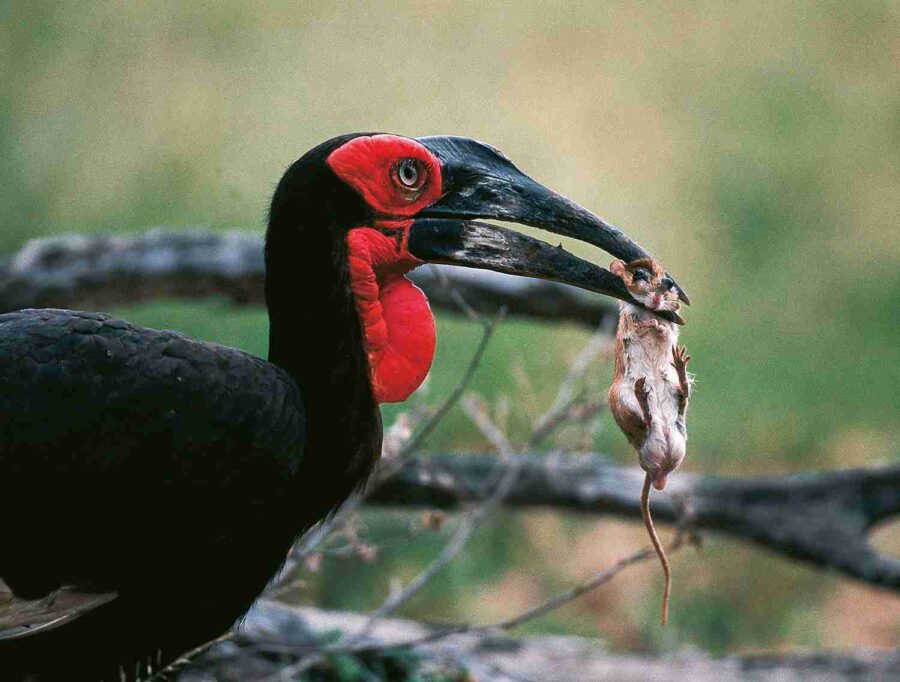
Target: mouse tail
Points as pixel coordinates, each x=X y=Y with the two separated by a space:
x=657 y=545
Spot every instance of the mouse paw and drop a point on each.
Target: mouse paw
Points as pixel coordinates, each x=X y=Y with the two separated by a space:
x=650 y=326
x=680 y=359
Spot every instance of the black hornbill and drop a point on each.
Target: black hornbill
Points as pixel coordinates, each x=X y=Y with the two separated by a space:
x=152 y=483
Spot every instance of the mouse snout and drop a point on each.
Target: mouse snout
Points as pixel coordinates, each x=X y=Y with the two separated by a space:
x=659 y=481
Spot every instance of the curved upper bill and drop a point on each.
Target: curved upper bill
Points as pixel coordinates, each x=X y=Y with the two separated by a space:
x=480 y=182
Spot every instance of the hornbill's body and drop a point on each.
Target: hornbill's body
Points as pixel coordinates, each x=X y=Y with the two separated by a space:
x=153 y=483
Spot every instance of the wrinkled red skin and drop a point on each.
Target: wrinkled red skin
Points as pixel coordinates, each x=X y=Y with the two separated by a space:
x=397 y=322
x=366 y=163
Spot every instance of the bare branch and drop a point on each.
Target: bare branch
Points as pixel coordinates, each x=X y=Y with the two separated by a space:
x=821 y=518
x=573 y=593
x=101 y=271
x=572 y=404
x=360 y=641
x=495 y=487
x=599 y=343
x=416 y=443
x=578 y=411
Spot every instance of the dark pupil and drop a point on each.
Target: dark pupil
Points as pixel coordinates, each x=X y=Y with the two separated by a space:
x=409 y=174
x=640 y=276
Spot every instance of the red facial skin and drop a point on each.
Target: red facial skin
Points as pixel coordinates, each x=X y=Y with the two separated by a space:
x=396 y=318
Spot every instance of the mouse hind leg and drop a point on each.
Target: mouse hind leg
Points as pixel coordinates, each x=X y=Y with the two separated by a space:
x=642 y=395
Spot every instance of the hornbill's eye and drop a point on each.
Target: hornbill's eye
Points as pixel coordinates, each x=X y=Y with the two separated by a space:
x=640 y=275
x=410 y=174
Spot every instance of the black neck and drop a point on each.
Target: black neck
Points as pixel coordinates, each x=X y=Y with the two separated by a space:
x=315 y=332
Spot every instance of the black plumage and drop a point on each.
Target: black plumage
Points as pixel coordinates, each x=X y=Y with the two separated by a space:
x=175 y=473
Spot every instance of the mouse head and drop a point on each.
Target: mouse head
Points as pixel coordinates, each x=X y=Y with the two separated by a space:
x=647 y=282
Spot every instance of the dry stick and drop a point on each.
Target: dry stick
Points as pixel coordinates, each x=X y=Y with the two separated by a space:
x=661 y=553
x=488 y=327
x=569 y=404
x=451 y=400
x=577 y=411
x=577 y=591
x=459 y=540
x=456 y=296
x=543 y=608
x=187 y=658
x=466 y=527
x=312 y=540
x=573 y=593
x=567 y=396
x=562 y=409
x=470 y=523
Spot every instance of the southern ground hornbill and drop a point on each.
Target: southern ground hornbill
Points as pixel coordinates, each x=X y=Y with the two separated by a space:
x=152 y=484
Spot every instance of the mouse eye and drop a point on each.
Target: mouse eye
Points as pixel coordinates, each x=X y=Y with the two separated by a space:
x=640 y=275
x=668 y=283
x=409 y=174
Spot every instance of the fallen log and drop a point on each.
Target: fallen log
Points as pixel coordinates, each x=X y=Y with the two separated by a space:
x=262 y=648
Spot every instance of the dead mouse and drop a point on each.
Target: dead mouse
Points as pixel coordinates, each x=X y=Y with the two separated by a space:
x=650 y=390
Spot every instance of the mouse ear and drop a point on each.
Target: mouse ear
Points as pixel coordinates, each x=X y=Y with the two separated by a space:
x=617 y=268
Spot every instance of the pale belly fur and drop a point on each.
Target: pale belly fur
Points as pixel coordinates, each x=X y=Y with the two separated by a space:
x=648 y=354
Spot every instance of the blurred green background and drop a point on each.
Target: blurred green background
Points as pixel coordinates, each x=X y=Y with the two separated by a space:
x=754 y=148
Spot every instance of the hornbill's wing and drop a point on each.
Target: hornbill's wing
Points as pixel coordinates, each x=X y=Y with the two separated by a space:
x=122 y=448
x=23 y=617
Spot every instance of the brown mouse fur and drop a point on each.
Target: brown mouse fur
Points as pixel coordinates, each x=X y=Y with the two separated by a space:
x=651 y=387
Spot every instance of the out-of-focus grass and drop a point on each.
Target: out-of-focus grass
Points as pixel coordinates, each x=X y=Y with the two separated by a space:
x=752 y=147
x=753 y=150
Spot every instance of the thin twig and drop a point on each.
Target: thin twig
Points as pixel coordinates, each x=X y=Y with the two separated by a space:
x=464 y=531
x=455 y=295
x=567 y=396
x=599 y=578
x=309 y=544
x=186 y=658
x=413 y=446
x=576 y=412
x=469 y=524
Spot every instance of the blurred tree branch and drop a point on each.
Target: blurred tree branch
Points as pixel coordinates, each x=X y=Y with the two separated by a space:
x=271 y=631
x=822 y=518
x=96 y=271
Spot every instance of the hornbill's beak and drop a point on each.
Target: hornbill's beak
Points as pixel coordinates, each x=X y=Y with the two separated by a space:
x=480 y=182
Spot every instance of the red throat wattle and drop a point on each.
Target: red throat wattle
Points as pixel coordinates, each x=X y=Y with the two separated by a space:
x=397 y=322
x=396 y=318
